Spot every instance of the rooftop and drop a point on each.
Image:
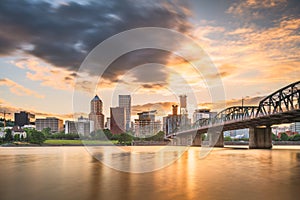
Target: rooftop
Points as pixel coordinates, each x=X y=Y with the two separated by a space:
x=96 y=98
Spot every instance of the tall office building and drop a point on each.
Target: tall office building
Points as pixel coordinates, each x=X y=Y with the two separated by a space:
x=55 y=124
x=117 y=120
x=96 y=113
x=24 y=118
x=183 y=104
x=125 y=102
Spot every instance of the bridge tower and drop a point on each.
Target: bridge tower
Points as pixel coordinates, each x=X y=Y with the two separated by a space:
x=260 y=137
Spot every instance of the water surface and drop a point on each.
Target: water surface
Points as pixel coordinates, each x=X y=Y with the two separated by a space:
x=72 y=173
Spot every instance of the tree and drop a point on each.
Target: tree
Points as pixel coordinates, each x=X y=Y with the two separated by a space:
x=47 y=132
x=284 y=137
x=17 y=137
x=71 y=136
x=160 y=136
x=274 y=137
x=227 y=138
x=37 y=137
x=115 y=137
x=295 y=137
x=125 y=139
x=108 y=134
x=8 y=135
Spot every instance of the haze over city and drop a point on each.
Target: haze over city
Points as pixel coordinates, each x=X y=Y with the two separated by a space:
x=253 y=44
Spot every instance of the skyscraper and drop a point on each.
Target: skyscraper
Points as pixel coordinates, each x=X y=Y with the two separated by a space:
x=96 y=113
x=117 y=120
x=183 y=104
x=125 y=102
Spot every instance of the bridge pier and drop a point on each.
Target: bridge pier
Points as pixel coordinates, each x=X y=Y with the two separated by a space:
x=216 y=139
x=260 y=138
x=197 y=141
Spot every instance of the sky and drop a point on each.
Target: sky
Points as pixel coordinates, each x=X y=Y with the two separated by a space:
x=253 y=45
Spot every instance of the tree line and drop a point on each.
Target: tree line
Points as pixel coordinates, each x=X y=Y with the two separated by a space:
x=39 y=137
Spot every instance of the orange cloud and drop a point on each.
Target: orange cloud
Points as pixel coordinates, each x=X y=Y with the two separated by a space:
x=8 y=108
x=49 y=75
x=247 y=7
x=18 y=89
x=163 y=108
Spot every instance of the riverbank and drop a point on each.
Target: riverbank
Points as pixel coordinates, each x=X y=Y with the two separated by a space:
x=50 y=143
x=273 y=142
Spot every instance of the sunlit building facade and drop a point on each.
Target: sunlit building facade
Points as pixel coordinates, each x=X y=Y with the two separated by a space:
x=55 y=124
x=125 y=102
x=96 y=114
x=145 y=125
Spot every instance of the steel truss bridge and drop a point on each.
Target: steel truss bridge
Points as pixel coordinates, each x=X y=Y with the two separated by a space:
x=279 y=107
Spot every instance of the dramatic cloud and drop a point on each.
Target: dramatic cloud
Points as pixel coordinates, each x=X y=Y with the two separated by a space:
x=38 y=70
x=252 y=8
x=63 y=34
x=18 y=89
x=247 y=101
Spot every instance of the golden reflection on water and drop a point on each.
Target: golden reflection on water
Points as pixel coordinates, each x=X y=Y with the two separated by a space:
x=72 y=173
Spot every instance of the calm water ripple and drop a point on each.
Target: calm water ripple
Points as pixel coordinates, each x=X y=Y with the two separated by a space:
x=72 y=173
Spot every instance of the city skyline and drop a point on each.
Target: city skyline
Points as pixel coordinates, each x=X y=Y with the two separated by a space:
x=253 y=44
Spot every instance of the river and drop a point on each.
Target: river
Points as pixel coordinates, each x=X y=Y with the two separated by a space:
x=72 y=173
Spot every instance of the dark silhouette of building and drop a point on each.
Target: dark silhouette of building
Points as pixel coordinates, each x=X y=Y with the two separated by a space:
x=96 y=113
x=24 y=118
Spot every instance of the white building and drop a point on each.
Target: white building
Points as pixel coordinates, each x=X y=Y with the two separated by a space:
x=145 y=125
x=295 y=127
x=83 y=126
x=18 y=131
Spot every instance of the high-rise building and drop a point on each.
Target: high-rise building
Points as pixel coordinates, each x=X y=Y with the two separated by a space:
x=117 y=120
x=125 y=102
x=24 y=118
x=183 y=104
x=83 y=126
x=96 y=113
x=174 y=122
x=171 y=122
x=145 y=125
x=55 y=124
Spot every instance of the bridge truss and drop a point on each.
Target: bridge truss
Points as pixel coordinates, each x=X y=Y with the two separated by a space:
x=283 y=106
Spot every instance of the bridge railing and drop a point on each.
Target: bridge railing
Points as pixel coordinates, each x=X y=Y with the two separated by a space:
x=283 y=100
